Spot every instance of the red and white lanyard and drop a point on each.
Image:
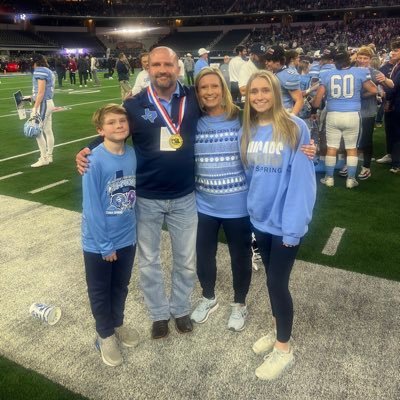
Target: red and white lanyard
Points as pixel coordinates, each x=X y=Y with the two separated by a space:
x=162 y=112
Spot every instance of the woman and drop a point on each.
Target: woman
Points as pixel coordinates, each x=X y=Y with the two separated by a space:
x=221 y=193
x=43 y=82
x=280 y=201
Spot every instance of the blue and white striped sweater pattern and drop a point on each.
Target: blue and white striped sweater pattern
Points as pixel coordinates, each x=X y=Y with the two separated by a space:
x=219 y=169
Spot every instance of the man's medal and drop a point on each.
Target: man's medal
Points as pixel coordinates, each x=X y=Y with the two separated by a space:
x=175 y=140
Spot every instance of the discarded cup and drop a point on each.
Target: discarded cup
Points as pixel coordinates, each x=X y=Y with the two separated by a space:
x=46 y=313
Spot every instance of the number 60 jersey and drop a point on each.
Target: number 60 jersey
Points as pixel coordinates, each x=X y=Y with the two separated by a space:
x=343 y=88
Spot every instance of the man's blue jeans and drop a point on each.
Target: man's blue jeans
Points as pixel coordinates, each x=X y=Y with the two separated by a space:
x=180 y=216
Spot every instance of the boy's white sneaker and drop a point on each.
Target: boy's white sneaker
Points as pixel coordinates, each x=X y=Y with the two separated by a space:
x=128 y=337
x=275 y=364
x=109 y=350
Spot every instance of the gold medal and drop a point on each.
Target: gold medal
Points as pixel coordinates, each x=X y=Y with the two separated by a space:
x=176 y=141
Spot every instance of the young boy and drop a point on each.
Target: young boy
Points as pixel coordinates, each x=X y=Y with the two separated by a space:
x=109 y=231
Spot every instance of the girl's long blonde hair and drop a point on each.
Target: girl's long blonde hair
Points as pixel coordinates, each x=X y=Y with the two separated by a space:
x=284 y=129
x=231 y=110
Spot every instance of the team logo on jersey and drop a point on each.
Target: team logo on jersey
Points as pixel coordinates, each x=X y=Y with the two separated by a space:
x=149 y=115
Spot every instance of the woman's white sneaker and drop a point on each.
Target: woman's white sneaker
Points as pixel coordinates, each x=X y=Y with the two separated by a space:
x=275 y=364
x=201 y=313
x=265 y=344
x=237 y=319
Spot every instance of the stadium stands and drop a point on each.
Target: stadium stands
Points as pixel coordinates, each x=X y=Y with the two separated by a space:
x=177 y=8
x=230 y=40
x=75 y=40
x=189 y=41
x=20 y=40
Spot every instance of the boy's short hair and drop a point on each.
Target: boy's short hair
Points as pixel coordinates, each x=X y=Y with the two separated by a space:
x=395 y=44
x=100 y=114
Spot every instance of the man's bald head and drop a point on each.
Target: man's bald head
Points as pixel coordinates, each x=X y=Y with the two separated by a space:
x=165 y=50
x=163 y=70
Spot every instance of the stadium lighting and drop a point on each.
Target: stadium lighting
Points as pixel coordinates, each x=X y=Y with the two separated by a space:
x=132 y=30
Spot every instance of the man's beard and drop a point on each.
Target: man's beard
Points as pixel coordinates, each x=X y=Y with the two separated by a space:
x=260 y=62
x=165 y=84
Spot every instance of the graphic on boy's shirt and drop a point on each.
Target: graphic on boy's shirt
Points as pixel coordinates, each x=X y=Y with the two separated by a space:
x=122 y=193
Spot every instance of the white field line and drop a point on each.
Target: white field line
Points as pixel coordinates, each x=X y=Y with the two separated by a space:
x=10 y=176
x=69 y=91
x=57 y=145
x=48 y=186
x=333 y=242
x=15 y=88
x=72 y=105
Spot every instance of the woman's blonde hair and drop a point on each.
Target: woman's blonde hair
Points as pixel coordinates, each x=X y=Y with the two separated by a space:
x=100 y=114
x=365 y=51
x=231 y=110
x=284 y=129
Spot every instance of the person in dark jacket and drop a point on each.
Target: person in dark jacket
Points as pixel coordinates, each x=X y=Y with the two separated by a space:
x=83 y=68
x=123 y=69
x=60 y=69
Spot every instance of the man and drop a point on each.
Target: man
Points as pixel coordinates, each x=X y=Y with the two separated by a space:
x=163 y=123
x=202 y=62
x=43 y=81
x=142 y=79
x=342 y=87
x=289 y=79
x=255 y=62
x=123 y=69
x=94 y=64
x=368 y=110
x=234 y=68
x=392 y=110
x=189 y=68
x=386 y=69
x=224 y=68
x=72 y=68
x=181 y=75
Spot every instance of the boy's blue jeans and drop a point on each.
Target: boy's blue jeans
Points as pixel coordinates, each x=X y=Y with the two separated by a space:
x=107 y=284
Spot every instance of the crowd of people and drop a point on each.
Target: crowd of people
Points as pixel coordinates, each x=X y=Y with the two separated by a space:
x=182 y=8
x=245 y=7
x=318 y=36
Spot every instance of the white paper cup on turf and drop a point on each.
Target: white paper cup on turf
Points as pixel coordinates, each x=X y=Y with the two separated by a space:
x=45 y=313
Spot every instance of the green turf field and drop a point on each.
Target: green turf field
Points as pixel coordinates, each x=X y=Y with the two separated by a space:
x=369 y=213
